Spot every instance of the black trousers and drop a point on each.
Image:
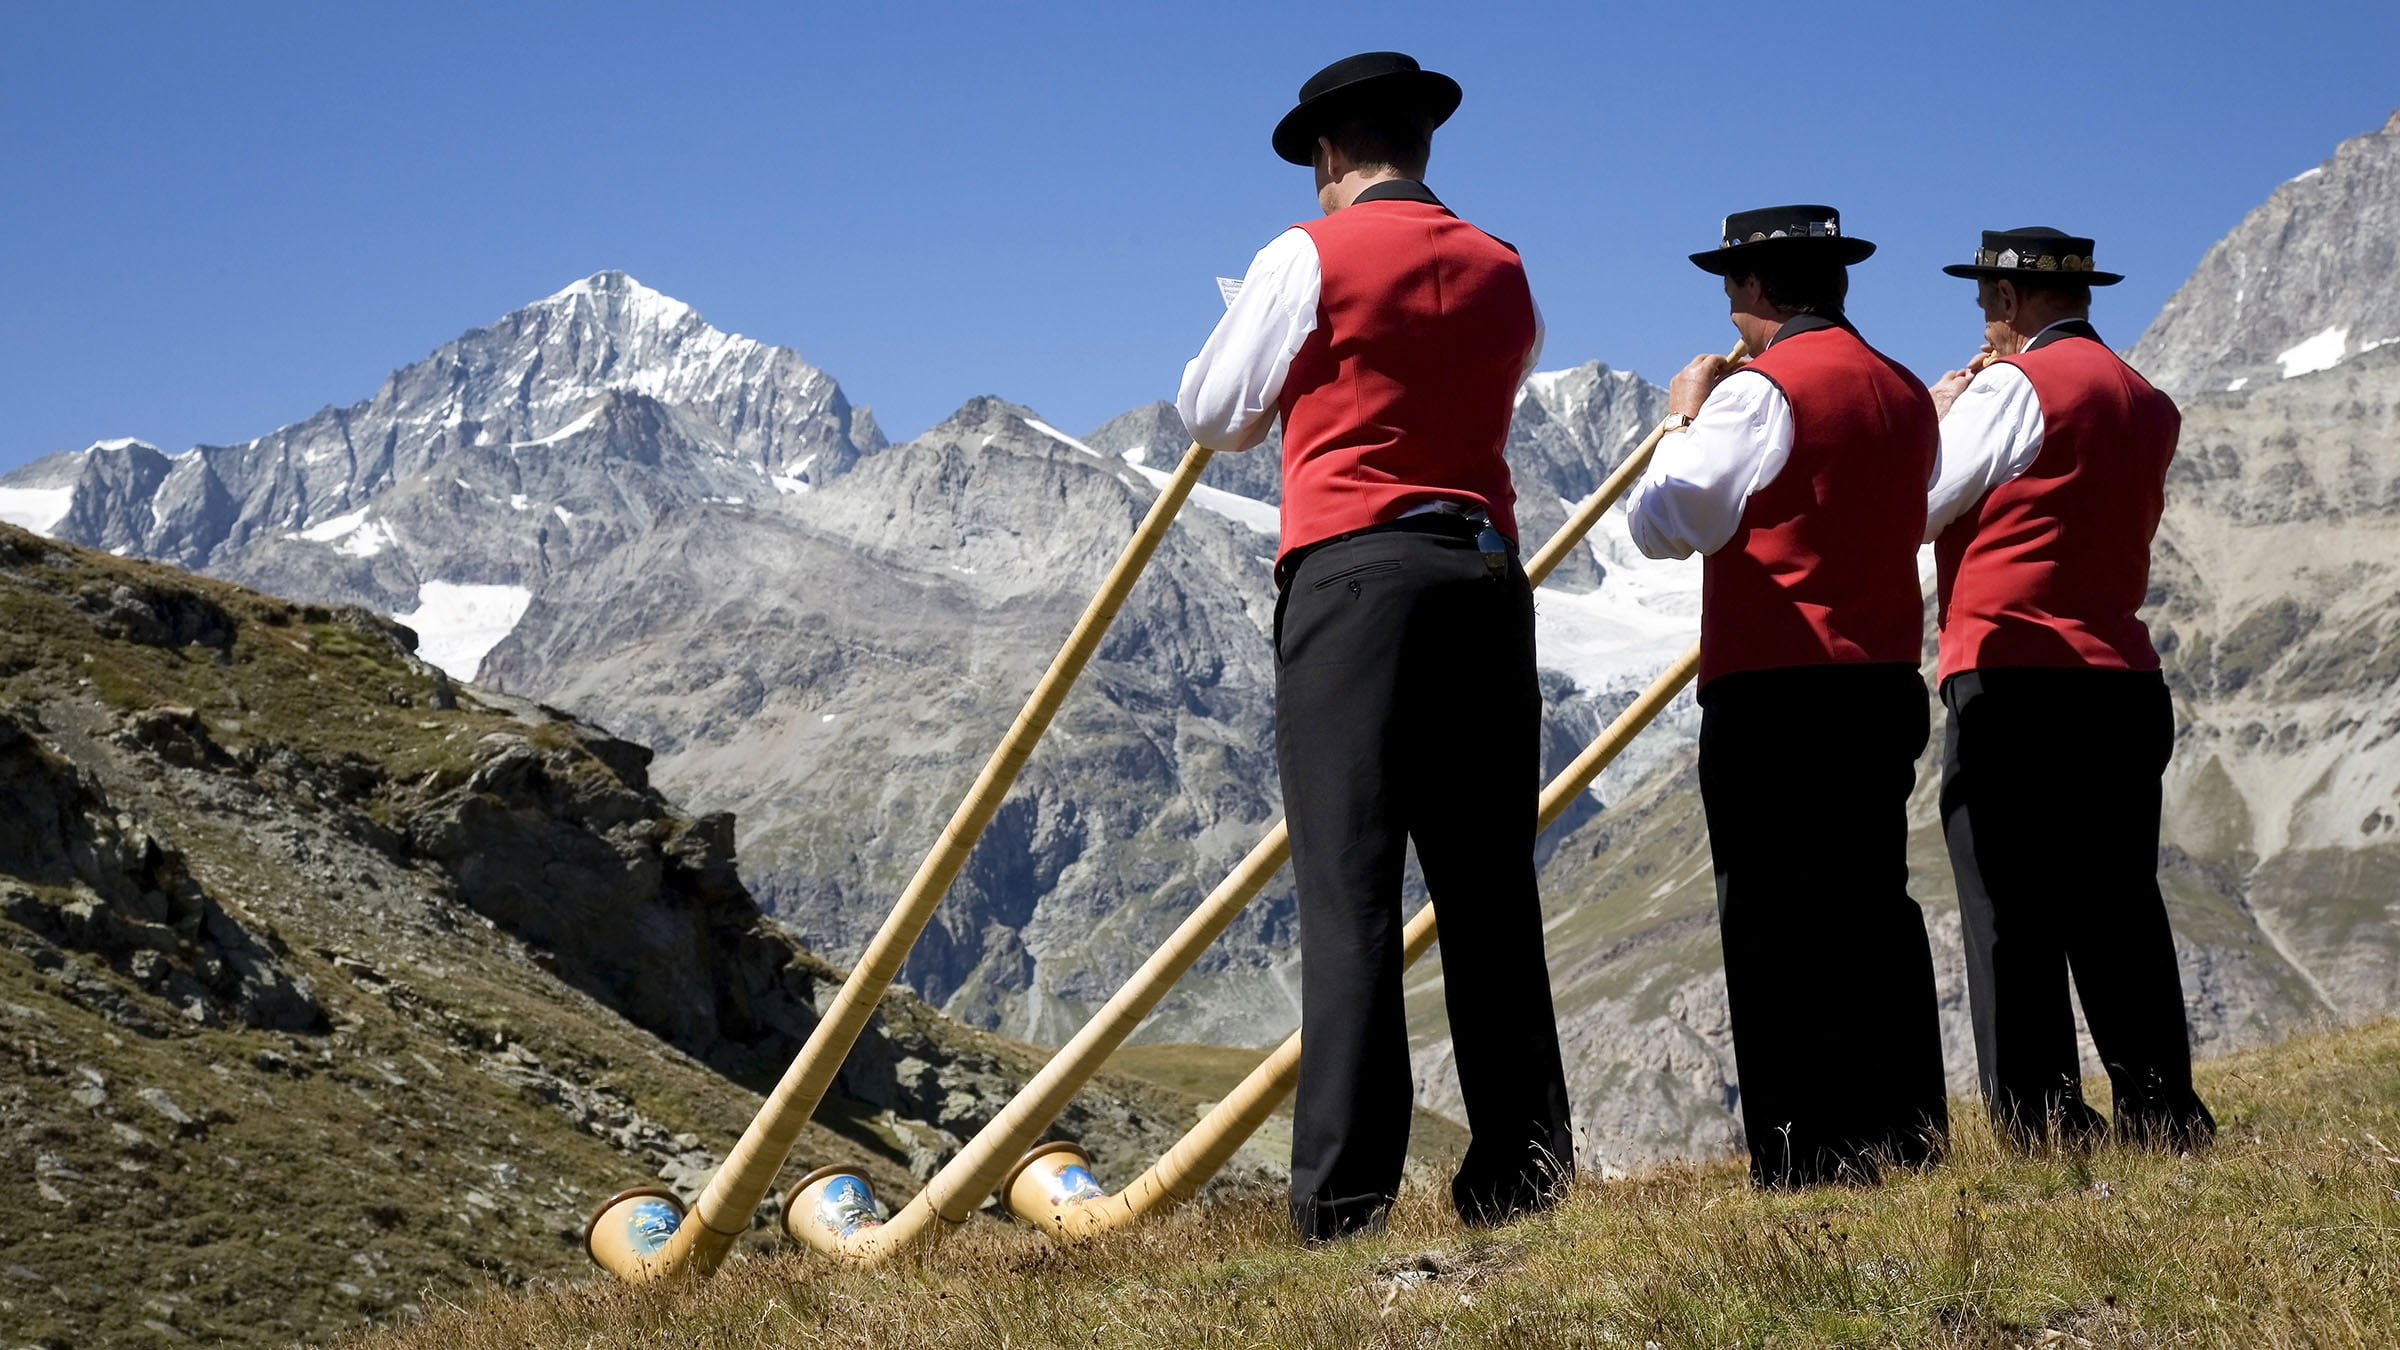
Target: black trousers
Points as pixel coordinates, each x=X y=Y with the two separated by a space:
x=2050 y=804
x=1805 y=773
x=1406 y=709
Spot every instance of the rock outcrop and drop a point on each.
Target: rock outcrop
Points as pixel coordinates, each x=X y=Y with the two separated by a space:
x=76 y=873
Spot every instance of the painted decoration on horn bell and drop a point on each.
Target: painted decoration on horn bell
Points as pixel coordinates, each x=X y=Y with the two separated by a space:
x=845 y=1207
x=649 y=1222
x=1071 y=1183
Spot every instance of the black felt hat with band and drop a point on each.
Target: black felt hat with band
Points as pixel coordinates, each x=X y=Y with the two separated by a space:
x=1781 y=234
x=2035 y=252
x=1369 y=80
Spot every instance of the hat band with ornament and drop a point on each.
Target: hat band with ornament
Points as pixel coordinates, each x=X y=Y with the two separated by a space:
x=2032 y=262
x=1798 y=229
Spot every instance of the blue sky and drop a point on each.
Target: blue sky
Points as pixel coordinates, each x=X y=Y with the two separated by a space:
x=216 y=218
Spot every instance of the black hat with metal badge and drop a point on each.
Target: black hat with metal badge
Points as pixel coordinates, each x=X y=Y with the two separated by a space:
x=1781 y=234
x=2035 y=252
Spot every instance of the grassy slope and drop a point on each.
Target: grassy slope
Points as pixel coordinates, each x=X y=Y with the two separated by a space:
x=402 y=1156
x=2287 y=1234
x=326 y=1179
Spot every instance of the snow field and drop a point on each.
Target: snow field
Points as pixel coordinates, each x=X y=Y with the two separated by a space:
x=458 y=624
x=36 y=509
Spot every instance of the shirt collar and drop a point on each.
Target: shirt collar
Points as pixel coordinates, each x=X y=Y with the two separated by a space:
x=1398 y=190
x=2064 y=328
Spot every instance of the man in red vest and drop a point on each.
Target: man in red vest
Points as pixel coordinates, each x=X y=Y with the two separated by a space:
x=1801 y=475
x=1391 y=337
x=2052 y=477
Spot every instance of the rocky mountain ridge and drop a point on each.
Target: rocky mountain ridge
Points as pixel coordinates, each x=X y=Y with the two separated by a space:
x=2298 y=286
x=524 y=449
x=824 y=634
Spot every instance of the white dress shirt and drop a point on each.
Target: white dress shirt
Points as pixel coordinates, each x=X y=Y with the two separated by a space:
x=1230 y=389
x=1690 y=500
x=1229 y=393
x=1989 y=436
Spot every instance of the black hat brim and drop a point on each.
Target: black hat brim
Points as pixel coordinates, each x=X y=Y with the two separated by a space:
x=1972 y=272
x=1431 y=91
x=1840 y=249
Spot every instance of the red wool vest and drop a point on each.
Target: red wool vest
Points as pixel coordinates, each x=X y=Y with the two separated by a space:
x=2050 y=567
x=1822 y=568
x=1402 y=395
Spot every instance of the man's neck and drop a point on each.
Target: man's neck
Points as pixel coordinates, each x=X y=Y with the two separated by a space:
x=1344 y=190
x=1768 y=330
x=2029 y=328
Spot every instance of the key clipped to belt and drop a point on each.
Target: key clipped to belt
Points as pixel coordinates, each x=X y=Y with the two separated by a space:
x=1493 y=544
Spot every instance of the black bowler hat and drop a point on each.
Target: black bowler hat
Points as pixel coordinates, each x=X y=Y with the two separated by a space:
x=2036 y=251
x=1367 y=80
x=1782 y=234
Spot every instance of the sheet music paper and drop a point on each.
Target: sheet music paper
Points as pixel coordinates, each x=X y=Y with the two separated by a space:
x=1229 y=287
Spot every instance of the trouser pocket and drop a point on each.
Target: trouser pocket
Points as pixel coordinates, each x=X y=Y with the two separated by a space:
x=1354 y=573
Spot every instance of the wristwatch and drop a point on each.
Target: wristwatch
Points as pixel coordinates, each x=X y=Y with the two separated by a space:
x=1675 y=422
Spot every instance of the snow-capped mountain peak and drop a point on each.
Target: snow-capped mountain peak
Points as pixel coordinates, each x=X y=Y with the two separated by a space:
x=622 y=302
x=2300 y=286
x=568 y=425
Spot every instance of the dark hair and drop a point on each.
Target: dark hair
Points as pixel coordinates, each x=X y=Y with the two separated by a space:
x=2076 y=294
x=1395 y=138
x=1803 y=287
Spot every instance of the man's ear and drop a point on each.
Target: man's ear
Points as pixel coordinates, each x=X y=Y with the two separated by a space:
x=2005 y=300
x=1329 y=159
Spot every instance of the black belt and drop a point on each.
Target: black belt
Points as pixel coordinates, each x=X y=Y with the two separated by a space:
x=1446 y=518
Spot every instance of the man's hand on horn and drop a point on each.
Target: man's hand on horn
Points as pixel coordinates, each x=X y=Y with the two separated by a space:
x=1691 y=385
x=1953 y=383
x=1947 y=389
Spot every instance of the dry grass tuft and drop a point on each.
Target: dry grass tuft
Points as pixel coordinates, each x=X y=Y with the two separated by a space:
x=2287 y=1234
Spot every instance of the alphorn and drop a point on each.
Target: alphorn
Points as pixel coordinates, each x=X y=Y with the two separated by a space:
x=642 y=1234
x=1053 y=1187
x=832 y=1209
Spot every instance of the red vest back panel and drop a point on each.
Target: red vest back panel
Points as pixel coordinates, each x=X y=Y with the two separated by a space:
x=1822 y=568
x=2050 y=568
x=1403 y=393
